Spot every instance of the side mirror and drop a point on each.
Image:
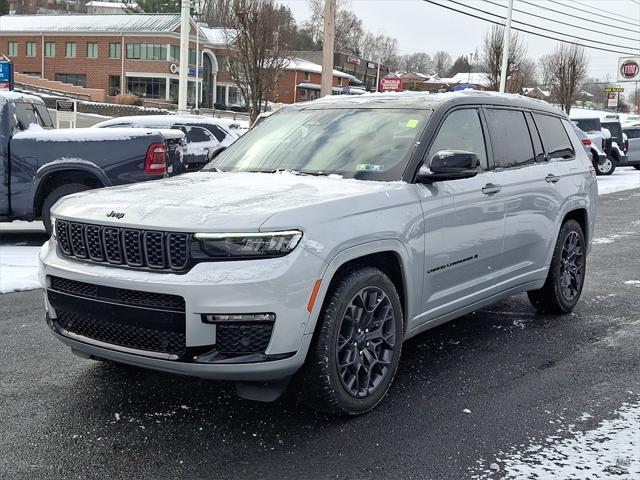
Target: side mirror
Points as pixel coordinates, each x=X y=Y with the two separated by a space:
x=214 y=152
x=450 y=165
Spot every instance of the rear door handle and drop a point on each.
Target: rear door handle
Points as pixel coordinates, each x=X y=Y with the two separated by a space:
x=491 y=188
x=551 y=178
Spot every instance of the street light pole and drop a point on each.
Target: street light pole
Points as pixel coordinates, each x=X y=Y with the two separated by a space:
x=184 y=56
x=505 y=48
x=326 y=81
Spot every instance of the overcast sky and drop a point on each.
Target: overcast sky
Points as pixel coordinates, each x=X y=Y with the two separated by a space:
x=421 y=26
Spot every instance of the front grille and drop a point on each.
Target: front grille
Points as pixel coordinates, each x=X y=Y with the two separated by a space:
x=124 y=246
x=236 y=338
x=122 y=334
x=119 y=295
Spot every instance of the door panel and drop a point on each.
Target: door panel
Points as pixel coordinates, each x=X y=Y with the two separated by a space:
x=464 y=228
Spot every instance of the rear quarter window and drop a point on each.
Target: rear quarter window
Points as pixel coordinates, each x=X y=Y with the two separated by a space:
x=510 y=138
x=555 y=138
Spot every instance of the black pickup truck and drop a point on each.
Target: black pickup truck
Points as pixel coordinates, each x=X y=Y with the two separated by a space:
x=39 y=165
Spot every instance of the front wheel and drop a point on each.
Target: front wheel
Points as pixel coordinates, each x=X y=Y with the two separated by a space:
x=562 y=289
x=606 y=168
x=357 y=345
x=55 y=195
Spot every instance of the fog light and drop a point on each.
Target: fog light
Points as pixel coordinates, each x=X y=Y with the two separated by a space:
x=238 y=317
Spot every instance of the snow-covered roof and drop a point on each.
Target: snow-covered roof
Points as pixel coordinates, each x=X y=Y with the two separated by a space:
x=117 y=23
x=214 y=35
x=112 y=5
x=303 y=65
x=477 y=78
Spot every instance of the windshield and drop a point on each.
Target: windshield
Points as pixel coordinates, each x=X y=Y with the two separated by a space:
x=356 y=143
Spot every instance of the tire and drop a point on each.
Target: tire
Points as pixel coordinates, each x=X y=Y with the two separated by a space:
x=607 y=168
x=324 y=384
x=55 y=195
x=637 y=167
x=563 y=286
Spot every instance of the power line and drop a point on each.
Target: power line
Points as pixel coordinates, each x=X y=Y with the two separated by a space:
x=594 y=13
x=565 y=23
x=541 y=28
x=577 y=16
x=526 y=31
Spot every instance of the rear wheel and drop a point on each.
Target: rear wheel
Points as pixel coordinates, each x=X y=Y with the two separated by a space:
x=606 y=168
x=55 y=195
x=356 y=349
x=562 y=289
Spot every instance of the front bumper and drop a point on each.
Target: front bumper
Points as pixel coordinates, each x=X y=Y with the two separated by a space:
x=281 y=286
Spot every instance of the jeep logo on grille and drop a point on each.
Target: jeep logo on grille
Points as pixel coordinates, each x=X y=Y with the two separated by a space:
x=115 y=214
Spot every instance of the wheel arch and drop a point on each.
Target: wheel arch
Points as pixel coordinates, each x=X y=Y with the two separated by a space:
x=390 y=256
x=56 y=174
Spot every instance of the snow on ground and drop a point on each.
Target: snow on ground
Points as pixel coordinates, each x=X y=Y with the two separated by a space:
x=624 y=178
x=18 y=268
x=610 y=451
x=18 y=265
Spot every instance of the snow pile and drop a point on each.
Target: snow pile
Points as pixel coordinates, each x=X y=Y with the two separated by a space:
x=18 y=268
x=611 y=451
x=626 y=178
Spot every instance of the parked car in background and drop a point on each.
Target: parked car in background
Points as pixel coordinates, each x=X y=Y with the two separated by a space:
x=619 y=144
x=633 y=153
x=598 y=138
x=204 y=135
x=39 y=165
x=334 y=231
x=593 y=150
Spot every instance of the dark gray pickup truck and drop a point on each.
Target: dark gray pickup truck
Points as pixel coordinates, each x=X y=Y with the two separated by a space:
x=39 y=165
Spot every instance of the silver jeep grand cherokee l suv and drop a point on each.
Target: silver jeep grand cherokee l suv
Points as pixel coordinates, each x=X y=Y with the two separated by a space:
x=322 y=239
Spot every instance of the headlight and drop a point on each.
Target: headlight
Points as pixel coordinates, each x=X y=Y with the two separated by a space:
x=248 y=245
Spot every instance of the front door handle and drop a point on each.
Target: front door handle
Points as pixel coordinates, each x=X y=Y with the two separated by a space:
x=551 y=178
x=491 y=188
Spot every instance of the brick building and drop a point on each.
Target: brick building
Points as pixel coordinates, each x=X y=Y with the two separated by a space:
x=301 y=82
x=134 y=53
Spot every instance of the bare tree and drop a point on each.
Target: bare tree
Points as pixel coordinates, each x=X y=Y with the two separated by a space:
x=569 y=63
x=315 y=24
x=545 y=66
x=348 y=32
x=256 y=59
x=492 y=55
x=525 y=75
x=442 y=62
x=217 y=13
x=416 y=62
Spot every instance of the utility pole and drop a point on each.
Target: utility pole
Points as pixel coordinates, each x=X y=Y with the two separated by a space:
x=326 y=82
x=184 y=56
x=505 y=48
x=378 y=75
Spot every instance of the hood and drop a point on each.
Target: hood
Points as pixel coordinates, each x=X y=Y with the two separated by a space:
x=211 y=201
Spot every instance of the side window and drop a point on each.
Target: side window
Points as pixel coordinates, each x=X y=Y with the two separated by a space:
x=217 y=132
x=199 y=134
x=510 y=138
x=555 y=139
x=461 y=130
x=535 y=138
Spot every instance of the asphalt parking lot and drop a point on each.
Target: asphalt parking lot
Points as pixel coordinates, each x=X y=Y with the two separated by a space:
x=522 y=377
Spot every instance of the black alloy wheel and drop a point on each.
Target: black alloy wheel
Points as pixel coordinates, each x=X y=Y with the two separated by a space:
x=366 y=341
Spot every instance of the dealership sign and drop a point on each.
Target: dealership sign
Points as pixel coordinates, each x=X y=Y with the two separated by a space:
x=391 y=84
x=629 y=69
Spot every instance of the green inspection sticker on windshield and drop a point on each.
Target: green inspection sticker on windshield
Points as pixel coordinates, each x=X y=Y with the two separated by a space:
x=369 y=167
x=413 y=123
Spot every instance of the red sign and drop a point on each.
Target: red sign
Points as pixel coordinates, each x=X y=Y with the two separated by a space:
x=391 y=84
x=629 y=69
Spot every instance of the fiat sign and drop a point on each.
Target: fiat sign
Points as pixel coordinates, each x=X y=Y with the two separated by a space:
x=391 y=84
x=629 y=69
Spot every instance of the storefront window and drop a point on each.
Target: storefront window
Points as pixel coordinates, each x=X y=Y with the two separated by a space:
x=147 y=87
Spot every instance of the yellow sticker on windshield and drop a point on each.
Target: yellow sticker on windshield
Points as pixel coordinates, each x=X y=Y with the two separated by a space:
x=412 y=123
